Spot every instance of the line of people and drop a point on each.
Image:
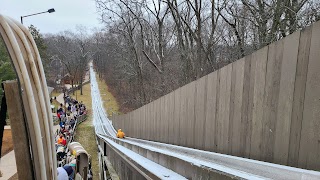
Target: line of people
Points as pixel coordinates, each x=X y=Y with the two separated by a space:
x=68 y=117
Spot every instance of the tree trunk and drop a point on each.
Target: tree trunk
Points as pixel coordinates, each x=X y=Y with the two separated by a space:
x=81 y=85
x=72 y=87
x=182 y=46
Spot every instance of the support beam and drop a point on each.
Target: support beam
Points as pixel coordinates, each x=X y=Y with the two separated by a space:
x=19 y=130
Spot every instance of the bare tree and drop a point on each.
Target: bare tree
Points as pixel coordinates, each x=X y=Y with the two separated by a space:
x=72 y=51
x=154 y=46
x=128 y=26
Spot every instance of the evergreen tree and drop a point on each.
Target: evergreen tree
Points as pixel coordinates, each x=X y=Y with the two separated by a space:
x=6 y=69
x=42 y=47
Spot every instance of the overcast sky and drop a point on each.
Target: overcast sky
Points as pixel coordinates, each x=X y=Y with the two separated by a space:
x=69 y=13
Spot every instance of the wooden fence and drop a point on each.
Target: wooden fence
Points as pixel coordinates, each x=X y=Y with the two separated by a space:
x=265 y=106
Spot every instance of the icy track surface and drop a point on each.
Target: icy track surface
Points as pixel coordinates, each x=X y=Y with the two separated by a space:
x=103 y=126
x=234 y=166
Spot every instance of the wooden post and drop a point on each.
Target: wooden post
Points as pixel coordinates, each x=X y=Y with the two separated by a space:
x=85 y=173
x=19 y=130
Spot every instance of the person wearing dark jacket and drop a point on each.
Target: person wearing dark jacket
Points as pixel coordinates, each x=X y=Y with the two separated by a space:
x=3 y=116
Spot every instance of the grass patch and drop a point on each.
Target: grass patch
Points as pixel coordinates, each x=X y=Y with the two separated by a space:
x=55 y=103
x=55 y=93
x=85 y=134
x=109 y=101
x=86 y=97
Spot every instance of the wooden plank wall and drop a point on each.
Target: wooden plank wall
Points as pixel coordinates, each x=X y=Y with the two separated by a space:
x=265 y=106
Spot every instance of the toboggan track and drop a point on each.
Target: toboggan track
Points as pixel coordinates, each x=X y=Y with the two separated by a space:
x=195 y=164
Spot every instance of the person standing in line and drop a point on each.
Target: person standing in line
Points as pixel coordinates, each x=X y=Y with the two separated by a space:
x=62 y=174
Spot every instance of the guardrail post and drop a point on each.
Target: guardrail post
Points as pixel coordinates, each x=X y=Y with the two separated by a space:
x=19 y=130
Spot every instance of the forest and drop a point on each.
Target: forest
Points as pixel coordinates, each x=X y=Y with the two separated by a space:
x=149 y=48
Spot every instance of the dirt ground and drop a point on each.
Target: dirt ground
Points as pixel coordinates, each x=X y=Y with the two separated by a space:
x=7 y=143
x=14 y=177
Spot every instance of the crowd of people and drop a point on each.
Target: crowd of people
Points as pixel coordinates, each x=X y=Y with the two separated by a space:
x=67 y=116
x=75 y=107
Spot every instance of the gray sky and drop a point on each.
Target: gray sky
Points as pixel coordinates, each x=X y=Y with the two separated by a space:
x=69 y=13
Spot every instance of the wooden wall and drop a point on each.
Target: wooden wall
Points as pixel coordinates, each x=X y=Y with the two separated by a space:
x=265 y=106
